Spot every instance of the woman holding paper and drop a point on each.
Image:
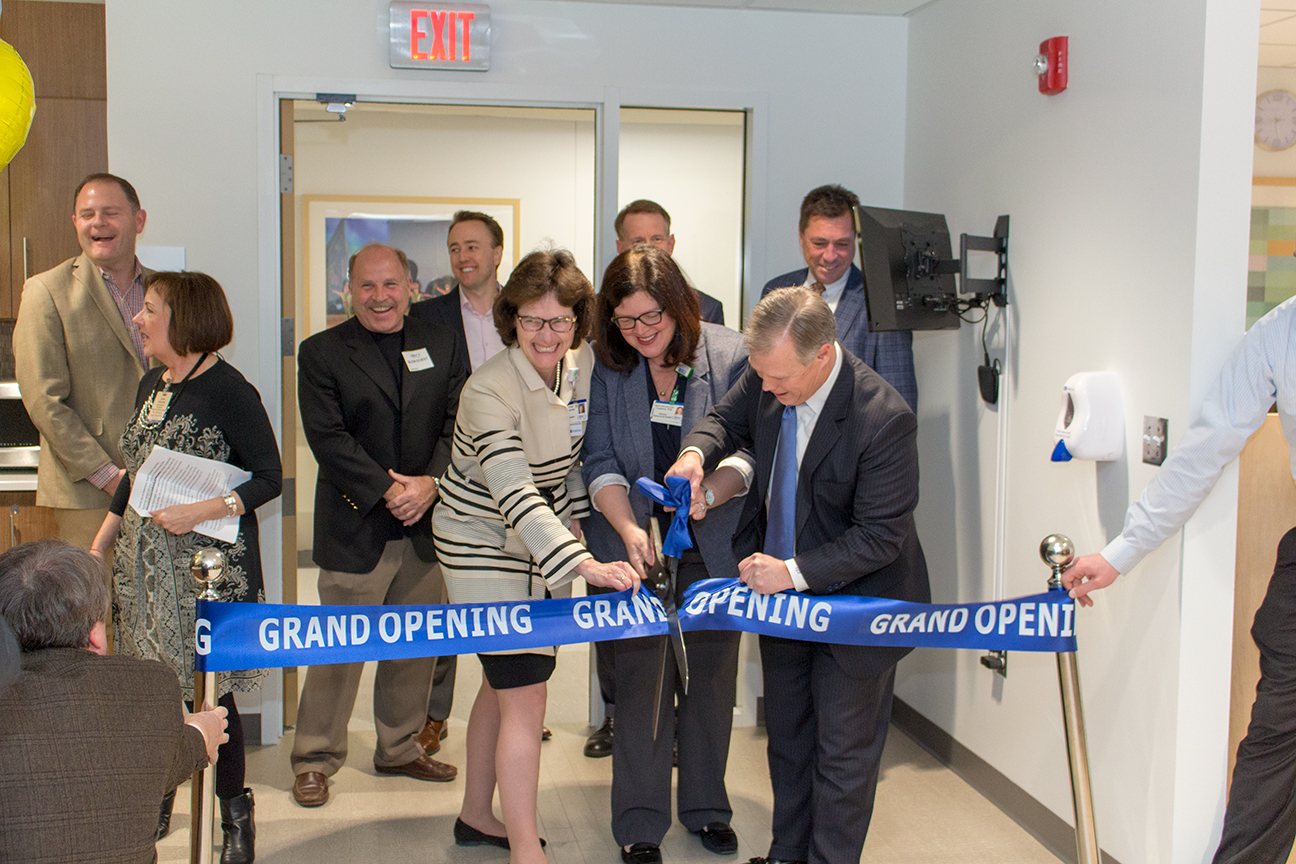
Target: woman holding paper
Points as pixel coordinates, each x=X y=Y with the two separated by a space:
x=194 y=403
x=660 y=370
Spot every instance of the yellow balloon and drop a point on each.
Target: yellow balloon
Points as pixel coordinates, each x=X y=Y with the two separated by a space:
x=17 y=103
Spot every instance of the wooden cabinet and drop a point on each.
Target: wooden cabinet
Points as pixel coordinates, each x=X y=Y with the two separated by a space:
x=22 y=521
x=63 y=45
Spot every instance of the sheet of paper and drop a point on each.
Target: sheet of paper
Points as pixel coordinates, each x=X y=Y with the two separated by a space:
x=168 y=477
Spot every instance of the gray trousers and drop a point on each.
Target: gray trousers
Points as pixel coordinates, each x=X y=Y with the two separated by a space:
x=400 y=686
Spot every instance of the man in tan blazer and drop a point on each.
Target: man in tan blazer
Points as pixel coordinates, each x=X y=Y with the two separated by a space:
x=79 y=357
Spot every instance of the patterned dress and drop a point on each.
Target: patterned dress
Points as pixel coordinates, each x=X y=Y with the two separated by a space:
x=216 y=415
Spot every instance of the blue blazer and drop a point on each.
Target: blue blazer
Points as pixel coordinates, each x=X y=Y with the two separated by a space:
x=888 y=354
x=618 y=441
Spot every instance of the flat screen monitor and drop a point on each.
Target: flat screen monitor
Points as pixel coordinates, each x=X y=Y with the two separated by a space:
x=909 y=270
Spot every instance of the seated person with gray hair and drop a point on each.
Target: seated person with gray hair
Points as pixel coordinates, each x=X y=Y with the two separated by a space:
x=88 y=743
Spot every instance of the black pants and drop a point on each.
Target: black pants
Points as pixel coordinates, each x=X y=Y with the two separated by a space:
x=231 y=767
x=1260 y=822
x=604 y=660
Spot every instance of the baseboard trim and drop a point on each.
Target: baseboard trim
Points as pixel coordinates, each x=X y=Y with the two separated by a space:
x=1037 y=820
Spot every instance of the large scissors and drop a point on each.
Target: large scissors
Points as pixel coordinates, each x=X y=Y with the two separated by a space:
x=663 y=576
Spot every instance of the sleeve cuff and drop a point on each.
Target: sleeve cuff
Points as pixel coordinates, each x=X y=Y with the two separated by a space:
x=743 y=467
x=603 y=481
x=798 y=581
x=101 y=478
x=1122 y=555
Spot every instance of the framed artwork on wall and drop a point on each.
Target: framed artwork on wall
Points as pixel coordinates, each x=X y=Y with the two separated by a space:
x=335 y=226
x=1271 y=267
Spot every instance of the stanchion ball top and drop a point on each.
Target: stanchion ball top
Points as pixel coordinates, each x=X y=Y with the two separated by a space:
x=1057 y=550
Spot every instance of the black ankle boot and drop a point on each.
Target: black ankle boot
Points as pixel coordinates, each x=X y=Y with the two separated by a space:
x=164 y=814
x=239 y=829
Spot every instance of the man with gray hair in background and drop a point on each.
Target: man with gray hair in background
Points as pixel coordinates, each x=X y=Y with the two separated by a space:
x=837 y=483
x=89 y=743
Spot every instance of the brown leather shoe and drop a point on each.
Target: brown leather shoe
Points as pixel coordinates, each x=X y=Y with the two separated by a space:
x=434 y=732
x=422 y=768
x=310 y=789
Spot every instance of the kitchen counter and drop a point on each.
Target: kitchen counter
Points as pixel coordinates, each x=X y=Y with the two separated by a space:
x=17 y=481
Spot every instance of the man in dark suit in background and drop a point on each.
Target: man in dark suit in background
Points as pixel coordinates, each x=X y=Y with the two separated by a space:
x=476 y=244
x=836 y=486
x=378 y=396
x=645 y=221
x=828 y=242
x=89 y=744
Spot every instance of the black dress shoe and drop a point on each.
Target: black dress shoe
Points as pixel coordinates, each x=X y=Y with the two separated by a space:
x=719 y=838
x=599 y=744
x=641 y=853
x=466 y=835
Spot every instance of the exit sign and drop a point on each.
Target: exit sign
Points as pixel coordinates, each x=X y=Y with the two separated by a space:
x=424 y=36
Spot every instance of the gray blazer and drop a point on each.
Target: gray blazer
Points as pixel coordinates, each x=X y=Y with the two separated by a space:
x=619 y=447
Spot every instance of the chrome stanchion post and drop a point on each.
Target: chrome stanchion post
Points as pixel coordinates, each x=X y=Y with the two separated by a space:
x=207 y=566
x=1058 y=551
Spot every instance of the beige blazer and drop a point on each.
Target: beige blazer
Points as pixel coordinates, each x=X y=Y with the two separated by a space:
x=78 y=373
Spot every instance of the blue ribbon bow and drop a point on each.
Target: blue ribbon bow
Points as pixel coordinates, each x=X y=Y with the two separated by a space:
x=676 y=493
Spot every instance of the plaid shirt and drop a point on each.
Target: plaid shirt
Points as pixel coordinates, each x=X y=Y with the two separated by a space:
x=129 y=303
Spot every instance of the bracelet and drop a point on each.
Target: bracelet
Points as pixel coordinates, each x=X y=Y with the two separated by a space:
x=231 y=504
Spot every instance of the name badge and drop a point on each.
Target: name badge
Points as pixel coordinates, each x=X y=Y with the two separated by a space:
x=667 y=413
x=158 y=407
x=417 y=361
x=577 y=414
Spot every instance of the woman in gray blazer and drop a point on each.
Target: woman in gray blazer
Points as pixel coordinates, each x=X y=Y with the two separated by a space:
x=659 y=371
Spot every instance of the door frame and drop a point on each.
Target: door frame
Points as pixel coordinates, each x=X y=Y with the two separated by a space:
x=278 y=524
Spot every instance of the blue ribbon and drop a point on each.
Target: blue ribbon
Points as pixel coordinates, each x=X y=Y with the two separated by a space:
x=263 y=636
x=676 y=493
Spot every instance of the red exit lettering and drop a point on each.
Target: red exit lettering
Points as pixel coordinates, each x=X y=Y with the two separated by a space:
x=448 y=31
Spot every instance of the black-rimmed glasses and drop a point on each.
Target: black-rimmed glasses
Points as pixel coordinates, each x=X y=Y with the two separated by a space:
x=625 y=322
x=531 y=324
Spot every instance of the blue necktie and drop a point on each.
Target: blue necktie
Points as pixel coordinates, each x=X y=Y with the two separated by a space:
x=780 y=528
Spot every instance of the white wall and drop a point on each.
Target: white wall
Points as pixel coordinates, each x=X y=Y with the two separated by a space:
x=1128 y=195
x=192 y=120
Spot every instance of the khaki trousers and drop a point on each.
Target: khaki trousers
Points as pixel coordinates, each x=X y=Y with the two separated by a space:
x=400 y=686
x=79 y=528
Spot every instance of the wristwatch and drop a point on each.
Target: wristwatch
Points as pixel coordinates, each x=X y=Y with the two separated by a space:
x=708 y=497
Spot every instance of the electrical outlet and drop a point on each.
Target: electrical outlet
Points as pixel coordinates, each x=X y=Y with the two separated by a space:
x=1154 y=440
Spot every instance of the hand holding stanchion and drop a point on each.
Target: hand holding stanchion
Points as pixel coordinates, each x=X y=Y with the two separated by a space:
x=207 y=566
x=1058 y=552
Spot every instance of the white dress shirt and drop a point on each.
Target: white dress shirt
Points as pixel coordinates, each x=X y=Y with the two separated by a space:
x=1260 y=371
x=479 y=330
x=807 y=417
x=831 y=293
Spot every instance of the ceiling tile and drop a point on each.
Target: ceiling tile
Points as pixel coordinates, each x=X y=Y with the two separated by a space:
x=1271 y=16
x=1288 y=5
x=1279 y=33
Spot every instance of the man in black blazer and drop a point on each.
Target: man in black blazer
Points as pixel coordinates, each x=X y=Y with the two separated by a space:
x=378 y=396
x=476 y=245
x=836 y=486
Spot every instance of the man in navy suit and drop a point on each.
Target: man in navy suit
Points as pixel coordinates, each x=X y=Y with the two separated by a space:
x=832 y=513
x=828 y=243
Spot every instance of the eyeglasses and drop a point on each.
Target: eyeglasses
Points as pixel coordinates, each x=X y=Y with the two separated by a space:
x=531 y=324
x=625 y=322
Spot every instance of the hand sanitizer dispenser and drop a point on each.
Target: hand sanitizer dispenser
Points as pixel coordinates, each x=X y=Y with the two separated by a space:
x=1091 y=422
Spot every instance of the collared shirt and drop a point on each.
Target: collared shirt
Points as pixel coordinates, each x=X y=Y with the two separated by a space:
x=807 y=418
x=483 y=339
x=832 y=293
x=129 y=303
x=1260 y=371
